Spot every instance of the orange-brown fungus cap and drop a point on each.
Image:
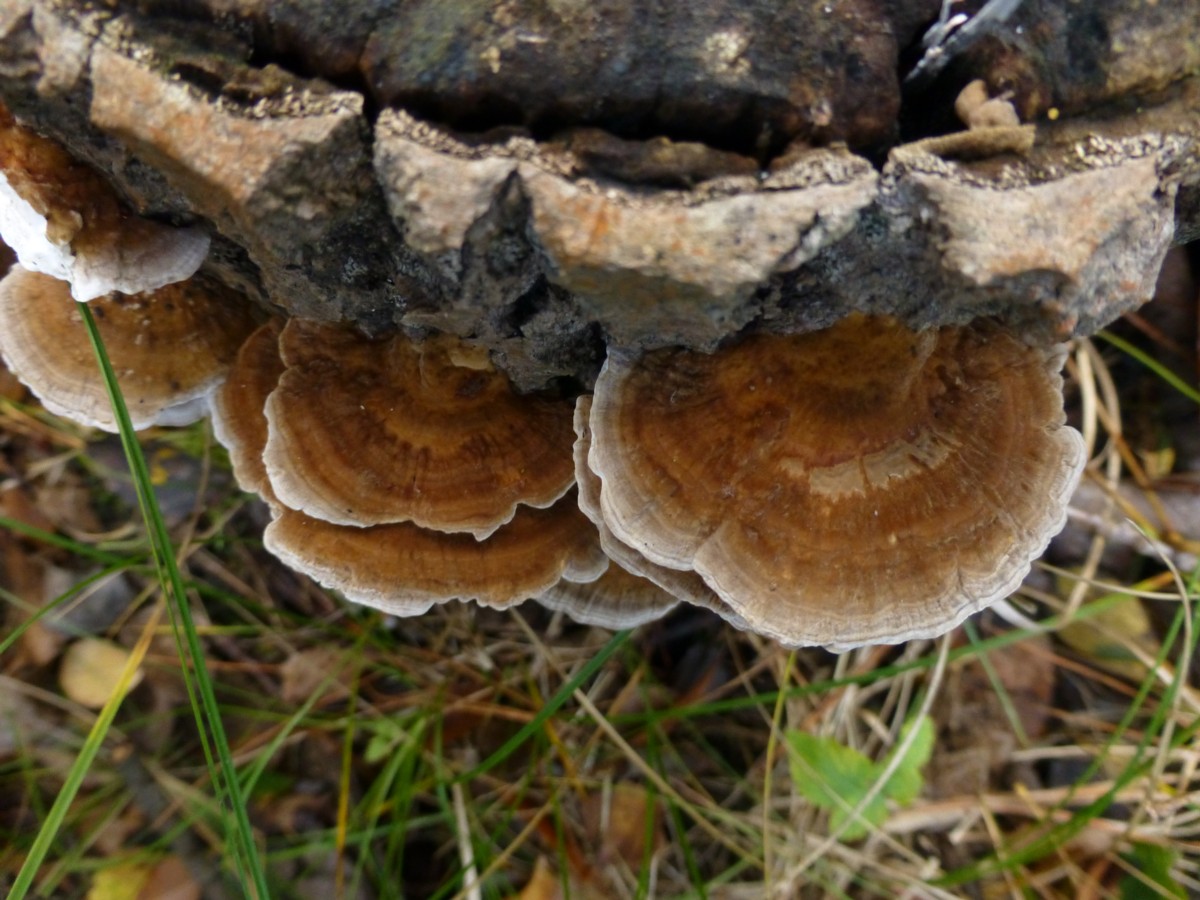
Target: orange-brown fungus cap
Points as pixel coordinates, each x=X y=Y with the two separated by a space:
x=400 y=568
x=617 y=599
x=169 y=348
x=681 y=585
x=367 y=432
x=404 y=569
x=64 y=220
x=858 y=485
x=239 y=422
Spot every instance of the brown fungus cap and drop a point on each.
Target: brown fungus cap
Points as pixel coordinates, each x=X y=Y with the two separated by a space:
x=404 y=570
x=681 y=585
x=863 y=484
x=617 y=599
x=64 y=220
x=370 y=432
x=170 y=348
x=239 y=422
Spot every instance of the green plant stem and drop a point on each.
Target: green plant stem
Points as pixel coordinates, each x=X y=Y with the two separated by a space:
x=552 y=706
x=207 y=712
x=80 y=767
x=1153 y=365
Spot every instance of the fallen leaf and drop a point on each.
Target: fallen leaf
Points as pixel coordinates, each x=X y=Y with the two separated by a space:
x=123 y=881
x=170 y=880
x=1104 y=639
x=543 y=884
x=22 y=574
x=302 y=674
x=837 y=778
x=67 y=503
x=91 y=669
x=991 y=705
x=623 y=825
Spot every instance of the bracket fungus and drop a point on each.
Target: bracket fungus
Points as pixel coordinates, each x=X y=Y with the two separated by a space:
x=863 y=484
x=64 y=220
x=369 y=432
x=755 y=445
x=238 y=421
x=617 y=599
x=170 y=348
x=404 y=569
x=680 y=585
x=401 y=568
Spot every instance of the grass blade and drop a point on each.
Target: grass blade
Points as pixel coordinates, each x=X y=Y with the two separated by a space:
x=552 y=706
x=81 y=766
x=208 y=716
x=1153 y=365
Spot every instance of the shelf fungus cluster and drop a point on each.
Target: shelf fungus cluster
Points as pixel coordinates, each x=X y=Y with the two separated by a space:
x=63 y=220
x=407 y=473
x=862 y=483
x=169 y=348
x=170 y=334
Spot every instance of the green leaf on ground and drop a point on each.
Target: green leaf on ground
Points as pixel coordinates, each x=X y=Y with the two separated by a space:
x=837 y=778
x=1154 y=863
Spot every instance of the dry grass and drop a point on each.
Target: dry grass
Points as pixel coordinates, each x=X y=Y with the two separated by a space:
x=378 y=759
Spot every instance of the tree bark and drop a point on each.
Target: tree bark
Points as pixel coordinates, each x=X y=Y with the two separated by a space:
x=547 y=177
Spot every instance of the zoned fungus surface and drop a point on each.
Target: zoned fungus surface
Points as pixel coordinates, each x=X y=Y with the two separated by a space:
x=684 y=586
x=169 y=348
x=237 y=408
x=404 y=569
x=369 y=432
x=861 y=484
x=400 y=568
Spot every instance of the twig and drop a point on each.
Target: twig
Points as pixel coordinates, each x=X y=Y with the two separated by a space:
x=466 y=851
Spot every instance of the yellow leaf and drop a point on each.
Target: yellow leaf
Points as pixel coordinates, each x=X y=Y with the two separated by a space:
x=542 y=885
x=91 y=669
x=124 y=881
x=1106 y=639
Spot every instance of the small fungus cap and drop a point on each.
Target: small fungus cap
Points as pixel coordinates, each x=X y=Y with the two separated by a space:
x=63 y=220
x=403 y=569
x=863 y=484
x=170 y=348
x=617 y=599
x=239 y=422
x=369 y=432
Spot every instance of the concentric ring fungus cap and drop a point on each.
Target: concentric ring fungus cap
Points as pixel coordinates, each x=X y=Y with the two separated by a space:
x=370 y=432
x=63 y=220
x=680 y=585
x=400 y=568
x=239 y=422
x=862 y=484
x=170 y=348
x=617 y=599
x=404 y=569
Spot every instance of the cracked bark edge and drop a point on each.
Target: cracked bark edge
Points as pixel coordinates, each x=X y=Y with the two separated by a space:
x=511 y=245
